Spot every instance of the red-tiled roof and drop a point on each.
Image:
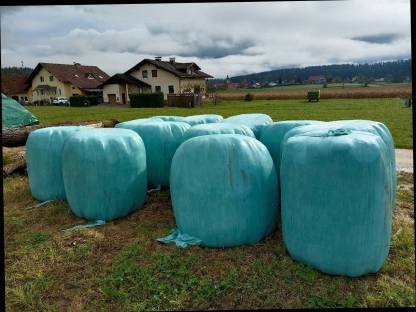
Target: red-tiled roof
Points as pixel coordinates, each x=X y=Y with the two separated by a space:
x=13 y=84
x=75 y=74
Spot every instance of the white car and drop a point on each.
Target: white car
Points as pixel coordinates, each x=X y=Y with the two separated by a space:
x=61 y=101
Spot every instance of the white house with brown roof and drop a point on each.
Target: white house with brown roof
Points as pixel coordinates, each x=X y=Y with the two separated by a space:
x=169 y=77
x=48 y=81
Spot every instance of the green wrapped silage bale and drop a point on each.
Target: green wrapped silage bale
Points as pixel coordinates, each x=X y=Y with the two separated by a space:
x=104 y=172
x=272 y=135
x=336 y=209
x=361 y=125
x=254 y=121
x=161 y=140
x=217 y=128
x=169 y=118
x=224 y=190
x=202 y=119
x=44 y=150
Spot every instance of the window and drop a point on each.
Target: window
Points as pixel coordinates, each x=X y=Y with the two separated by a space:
x=59 y=90
x=41 y=92
x=154 y=72
x=76 y=76
x=157 y=89
x=101 y=77
x=144 y=74
x=50 y=78
x=171 y=90
x=41 y=78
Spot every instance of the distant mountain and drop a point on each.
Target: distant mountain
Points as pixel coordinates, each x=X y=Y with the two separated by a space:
x=395 y=71
x=19 y=71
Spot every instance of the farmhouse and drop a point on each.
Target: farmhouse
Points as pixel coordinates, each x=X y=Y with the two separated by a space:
x=49 y=81
x=15 y=87
x=169 y=77
x=316 y=79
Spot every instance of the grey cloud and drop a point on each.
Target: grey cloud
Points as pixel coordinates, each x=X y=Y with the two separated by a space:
x=378 y=38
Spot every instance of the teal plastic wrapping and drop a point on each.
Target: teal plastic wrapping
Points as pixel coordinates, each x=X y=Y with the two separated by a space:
x=361 y=125
x=44 y=150
x=161 y=140
x=104 y=172
x=254 y=121
x=202 y=119
x=14 y=115
x=224 y=190
x=169 y=118
x=336 y=209
x=217 y=128
x=272 y=135
x=131 y=123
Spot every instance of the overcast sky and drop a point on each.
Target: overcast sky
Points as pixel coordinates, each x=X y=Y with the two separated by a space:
x=222 y=38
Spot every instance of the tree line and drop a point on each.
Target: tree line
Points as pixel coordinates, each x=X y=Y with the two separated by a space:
x=394 y=71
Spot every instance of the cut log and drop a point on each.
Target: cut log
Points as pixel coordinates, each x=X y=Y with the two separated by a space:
x=17 y=164
x=13 y=137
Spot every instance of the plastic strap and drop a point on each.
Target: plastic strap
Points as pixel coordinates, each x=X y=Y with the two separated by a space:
x=157 y=189
x=180 y=239
x=80 y=226
x=40 y=204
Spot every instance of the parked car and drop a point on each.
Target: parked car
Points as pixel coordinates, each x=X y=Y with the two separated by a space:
x=61 y=101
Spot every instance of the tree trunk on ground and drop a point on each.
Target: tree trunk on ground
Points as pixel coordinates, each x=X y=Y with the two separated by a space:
x=13 y=137
x=17 y=164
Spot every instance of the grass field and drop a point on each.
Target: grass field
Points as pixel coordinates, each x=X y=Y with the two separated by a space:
x=350 y=90
x=121 y=266
x=389 y=111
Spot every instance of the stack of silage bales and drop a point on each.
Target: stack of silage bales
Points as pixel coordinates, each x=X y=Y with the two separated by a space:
x=338 y=181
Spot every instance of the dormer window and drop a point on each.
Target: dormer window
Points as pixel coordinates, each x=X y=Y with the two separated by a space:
x=101 y=77
x=89 y=76
x=76 y=76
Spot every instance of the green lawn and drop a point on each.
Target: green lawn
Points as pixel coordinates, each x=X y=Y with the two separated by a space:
x=121 y=267
x=388 y=111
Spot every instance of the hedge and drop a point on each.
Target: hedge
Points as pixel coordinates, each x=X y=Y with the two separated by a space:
x=83 y=100
x=146 y=100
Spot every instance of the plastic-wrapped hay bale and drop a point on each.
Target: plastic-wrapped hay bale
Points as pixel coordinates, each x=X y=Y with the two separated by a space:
x=161 y=140
x=272 y=135
x=224 y=190
x=217 y=128
x=169 y=118
x=361 y=125
x=44 y=148
x=104 y=173
x=132 y=123
x=254 y=121
x=336 y=212
x=202 y=119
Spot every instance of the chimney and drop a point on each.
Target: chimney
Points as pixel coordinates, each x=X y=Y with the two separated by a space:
x=76 y=64
x=172 y=60
x=158 y=58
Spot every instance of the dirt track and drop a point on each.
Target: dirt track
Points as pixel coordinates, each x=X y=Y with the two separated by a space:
x=404 y=160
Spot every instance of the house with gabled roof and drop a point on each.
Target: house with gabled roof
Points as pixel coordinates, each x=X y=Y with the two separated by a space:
x=15 y=87
x=169 y=77
x=48 y=81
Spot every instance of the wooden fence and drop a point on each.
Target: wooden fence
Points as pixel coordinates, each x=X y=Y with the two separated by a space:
x=185 y=100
